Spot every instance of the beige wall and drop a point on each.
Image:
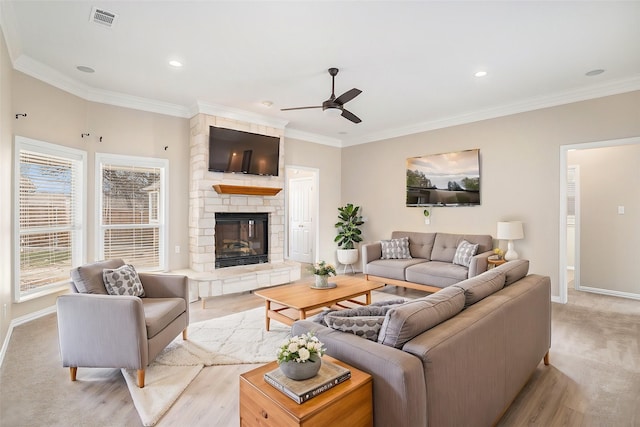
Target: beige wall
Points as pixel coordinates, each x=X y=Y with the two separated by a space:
x=6 y=128
x=520 y=161
x=609 y=177
x=58 y=117
x=327 y=160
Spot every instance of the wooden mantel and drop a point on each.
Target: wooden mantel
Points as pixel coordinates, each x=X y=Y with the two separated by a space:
x=241 y=189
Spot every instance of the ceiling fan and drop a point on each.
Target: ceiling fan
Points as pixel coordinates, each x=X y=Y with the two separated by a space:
x=335 y=105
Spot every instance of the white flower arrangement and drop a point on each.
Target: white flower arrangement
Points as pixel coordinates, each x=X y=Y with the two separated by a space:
x=300 y=348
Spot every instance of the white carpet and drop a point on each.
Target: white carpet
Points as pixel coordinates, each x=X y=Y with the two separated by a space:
x=231 y=340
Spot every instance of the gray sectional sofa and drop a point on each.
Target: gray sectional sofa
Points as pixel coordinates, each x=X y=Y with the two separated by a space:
x=430 y=263
x=490 y=334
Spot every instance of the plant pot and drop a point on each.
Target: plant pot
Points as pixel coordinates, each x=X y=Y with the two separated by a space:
x=301 y=371
x=322 y=280
x=347 y=256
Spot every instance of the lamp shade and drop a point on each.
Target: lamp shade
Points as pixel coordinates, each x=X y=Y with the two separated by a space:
x=510 y=230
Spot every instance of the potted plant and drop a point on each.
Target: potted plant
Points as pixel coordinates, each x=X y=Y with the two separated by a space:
x=299 y=357
x=348 y=233
x=322 y=271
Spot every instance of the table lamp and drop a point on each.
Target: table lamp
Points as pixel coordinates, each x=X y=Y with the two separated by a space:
x=510 y=230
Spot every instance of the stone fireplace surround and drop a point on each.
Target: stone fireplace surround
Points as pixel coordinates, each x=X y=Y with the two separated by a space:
x=204 y=201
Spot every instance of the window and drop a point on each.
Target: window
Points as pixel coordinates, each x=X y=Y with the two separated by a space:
x=49 y=195
x=131 y=194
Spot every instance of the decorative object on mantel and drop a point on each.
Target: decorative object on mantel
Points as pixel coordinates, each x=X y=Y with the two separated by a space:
x=299 y=357
x=322 y=271
x=348 y=234
x=246 y=190
x=510 y=230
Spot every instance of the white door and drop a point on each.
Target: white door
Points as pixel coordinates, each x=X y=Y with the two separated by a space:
x=301 y=226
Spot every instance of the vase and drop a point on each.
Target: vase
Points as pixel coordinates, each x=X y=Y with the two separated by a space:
x=301 y=371
x=322 y=280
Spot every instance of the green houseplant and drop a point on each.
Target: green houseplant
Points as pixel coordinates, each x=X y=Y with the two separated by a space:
x=349 y=233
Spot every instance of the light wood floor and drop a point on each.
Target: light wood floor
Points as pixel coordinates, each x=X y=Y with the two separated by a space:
x=593 y=380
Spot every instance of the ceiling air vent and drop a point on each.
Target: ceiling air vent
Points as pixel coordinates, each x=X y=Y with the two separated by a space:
x=102 y=17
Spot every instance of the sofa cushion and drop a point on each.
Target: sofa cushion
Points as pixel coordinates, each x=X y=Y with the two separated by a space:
x=87 y=279
x=481 y=286
x=436 y=273
x=395 y=248
x=363 y=321
x=464 y=252
x=406 y=321
x=391 y=268
x=122 y=281
x=514 y=270
x=420 y=244
x=160 y=312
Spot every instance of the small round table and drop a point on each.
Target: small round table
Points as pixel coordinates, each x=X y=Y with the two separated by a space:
x=494 y=262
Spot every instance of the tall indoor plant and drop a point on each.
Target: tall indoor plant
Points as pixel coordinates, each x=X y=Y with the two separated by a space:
x=349 y=233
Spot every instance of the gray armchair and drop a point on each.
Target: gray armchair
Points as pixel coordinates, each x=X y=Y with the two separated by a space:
x=98 y=330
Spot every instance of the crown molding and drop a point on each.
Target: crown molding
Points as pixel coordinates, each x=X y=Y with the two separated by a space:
x=237 y=114
x=312 y=137
x=561 y=98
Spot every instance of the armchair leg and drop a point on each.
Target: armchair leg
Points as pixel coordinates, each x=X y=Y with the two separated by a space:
x=141 y=378
x=184 y=334
x=546 y=359
x=73 y=371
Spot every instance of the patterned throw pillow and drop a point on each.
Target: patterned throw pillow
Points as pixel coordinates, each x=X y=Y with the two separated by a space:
x=122 y=281
x=464 y=252
x=363 y=321
x=395 y=248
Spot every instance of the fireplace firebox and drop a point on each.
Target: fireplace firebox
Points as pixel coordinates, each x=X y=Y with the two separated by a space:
x=241 y=239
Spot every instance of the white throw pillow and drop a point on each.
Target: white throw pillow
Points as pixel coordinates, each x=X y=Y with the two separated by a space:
x=123 y=281
x=464 y=252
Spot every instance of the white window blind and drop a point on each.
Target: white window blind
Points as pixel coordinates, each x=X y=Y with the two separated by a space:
x=132 y=219
x=49 y=214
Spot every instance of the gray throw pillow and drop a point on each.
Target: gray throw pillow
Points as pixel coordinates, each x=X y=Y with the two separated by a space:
x=481 y=286
x=88 y=279
x=464 y=252
x=406 y=321
x=123 y=281
x=395 y=248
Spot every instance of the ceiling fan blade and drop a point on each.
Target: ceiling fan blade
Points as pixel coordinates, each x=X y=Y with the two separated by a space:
x=350 y=116
x=300 y=108
x=348 y=96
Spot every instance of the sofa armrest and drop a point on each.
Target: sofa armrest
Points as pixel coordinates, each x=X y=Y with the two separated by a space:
x=479 y=264
x=370 y=252
x=399 y=390
x=102 y=331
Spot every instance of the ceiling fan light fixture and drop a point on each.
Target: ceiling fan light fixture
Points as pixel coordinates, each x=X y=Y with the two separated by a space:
x=332 y=112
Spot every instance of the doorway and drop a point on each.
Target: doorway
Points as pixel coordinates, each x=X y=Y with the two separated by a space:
x=606 y=217
x=302 y=213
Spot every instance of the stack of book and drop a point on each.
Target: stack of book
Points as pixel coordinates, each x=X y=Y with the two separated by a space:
x=328 y=376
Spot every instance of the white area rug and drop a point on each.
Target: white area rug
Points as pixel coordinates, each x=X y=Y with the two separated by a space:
x=231 y=340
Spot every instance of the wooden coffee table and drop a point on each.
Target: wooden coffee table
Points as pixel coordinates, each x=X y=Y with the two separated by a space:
x=303 y=298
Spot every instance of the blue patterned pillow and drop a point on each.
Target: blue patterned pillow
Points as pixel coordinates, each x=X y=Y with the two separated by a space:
x=464 y=252
x=396 y=248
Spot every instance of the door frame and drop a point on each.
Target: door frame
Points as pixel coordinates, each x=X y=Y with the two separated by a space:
x=289 y=173
x=564 y=149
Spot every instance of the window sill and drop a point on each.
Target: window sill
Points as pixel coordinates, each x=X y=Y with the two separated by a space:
x=41 y=293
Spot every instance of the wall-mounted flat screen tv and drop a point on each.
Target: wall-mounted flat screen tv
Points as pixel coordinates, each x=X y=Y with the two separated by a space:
x=243 y=152
x=448 y=179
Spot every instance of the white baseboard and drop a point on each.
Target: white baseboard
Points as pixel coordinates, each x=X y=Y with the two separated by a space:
x=19 y=321
x=609 y=292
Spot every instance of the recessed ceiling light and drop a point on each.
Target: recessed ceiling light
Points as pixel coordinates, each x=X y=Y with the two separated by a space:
x=175 y=63
x=594 y=72
x=480 y=73
x=267 y=104
x=85 y=69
